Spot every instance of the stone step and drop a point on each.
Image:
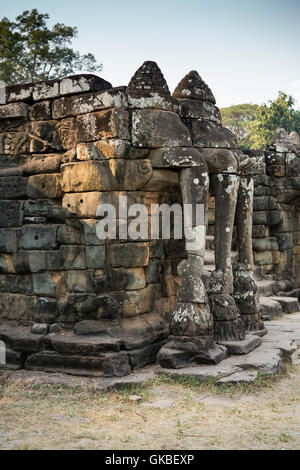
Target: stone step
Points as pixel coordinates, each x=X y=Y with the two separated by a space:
x=245 y=346
x=288 y=304
x=107 y=365
x=270 y=308
x=20 y=338
x=269 y=287
x=90 y=345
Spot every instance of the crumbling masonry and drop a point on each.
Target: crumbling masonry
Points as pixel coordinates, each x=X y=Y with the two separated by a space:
x=75 y=303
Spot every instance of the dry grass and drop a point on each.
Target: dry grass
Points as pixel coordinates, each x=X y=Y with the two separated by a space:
x=261 y=416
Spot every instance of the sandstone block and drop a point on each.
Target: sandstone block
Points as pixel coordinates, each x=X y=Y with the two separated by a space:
x=11 y=213
x=265 y=244
x=40 y=111
x=199 y=110
x=103 y=149
x=82 y=83
x=44 y=137
x=44 y=186
x=67 y=257
x=207 y=134
x=13 y=110
x=8 y=240
x=45 y=90
x=176 y=157
x=38 y=237
x=95 y=256
x=42 y=164
x=106 y=175
x=87 y=103
x=154 y=128
x=102 y=125
x=17 y=307
x=128 y=254
x=29 y=261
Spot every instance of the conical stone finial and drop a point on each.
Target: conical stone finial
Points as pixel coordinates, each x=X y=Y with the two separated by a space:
x=281 y=137
x=193 y=87
x=148 y=78
x=295 y=138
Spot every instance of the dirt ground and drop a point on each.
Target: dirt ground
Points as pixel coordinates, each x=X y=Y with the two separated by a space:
x=163 y=414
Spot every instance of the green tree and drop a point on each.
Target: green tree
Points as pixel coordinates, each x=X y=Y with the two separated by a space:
x=271 y=116
x=237 y=118
x=30 y=51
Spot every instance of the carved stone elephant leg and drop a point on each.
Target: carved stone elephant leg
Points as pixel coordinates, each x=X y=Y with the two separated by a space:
x=191 y=330
x=228 y=323
x=245 y=288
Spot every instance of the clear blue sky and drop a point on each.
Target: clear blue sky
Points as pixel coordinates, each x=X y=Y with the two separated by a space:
x=246 y=50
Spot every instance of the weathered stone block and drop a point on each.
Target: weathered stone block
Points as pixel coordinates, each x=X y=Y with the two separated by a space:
x=42 y=164
x=8 y=240
x=29 y=261
x=49 y=283
x=95 y=256
x=45 y=90
x=17 y=306
x=259 y=231
x=292 y=164
x=285 y=240
x=290 y=221
x=263 y=257
x=67 y=257
x=12 y=187
x=199 y=110
x=83 y=83
x=45 y=208
x=11 y=213
x=87 y=103
x=176 y=157
x=208 y=134
x=265 y=203
x=13 y=144
x=106 y=175
x=38 y=237
x=13 y=110
x=265 y=244
x=40 y=111
x=154 y=128
x=19 y=92
x=137 y=302
x=69 y=234
x=78 y=281
x=103 y=150
x=46 y=310
x=44 y=186
x=127 y=279
x=6 y=264
x=44 y=136
x=128 y=254
x=267 y=217
x=16 y=284
x=102 y=125
x=276 y=170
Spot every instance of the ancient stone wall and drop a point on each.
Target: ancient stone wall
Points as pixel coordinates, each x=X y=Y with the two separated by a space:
x=72 y=301
x=276 y=209
x=67 y=147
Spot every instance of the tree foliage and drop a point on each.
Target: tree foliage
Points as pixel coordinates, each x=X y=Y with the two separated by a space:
x=279 y=113
x=30 y=51
x=255 y=125
x=238 y=118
